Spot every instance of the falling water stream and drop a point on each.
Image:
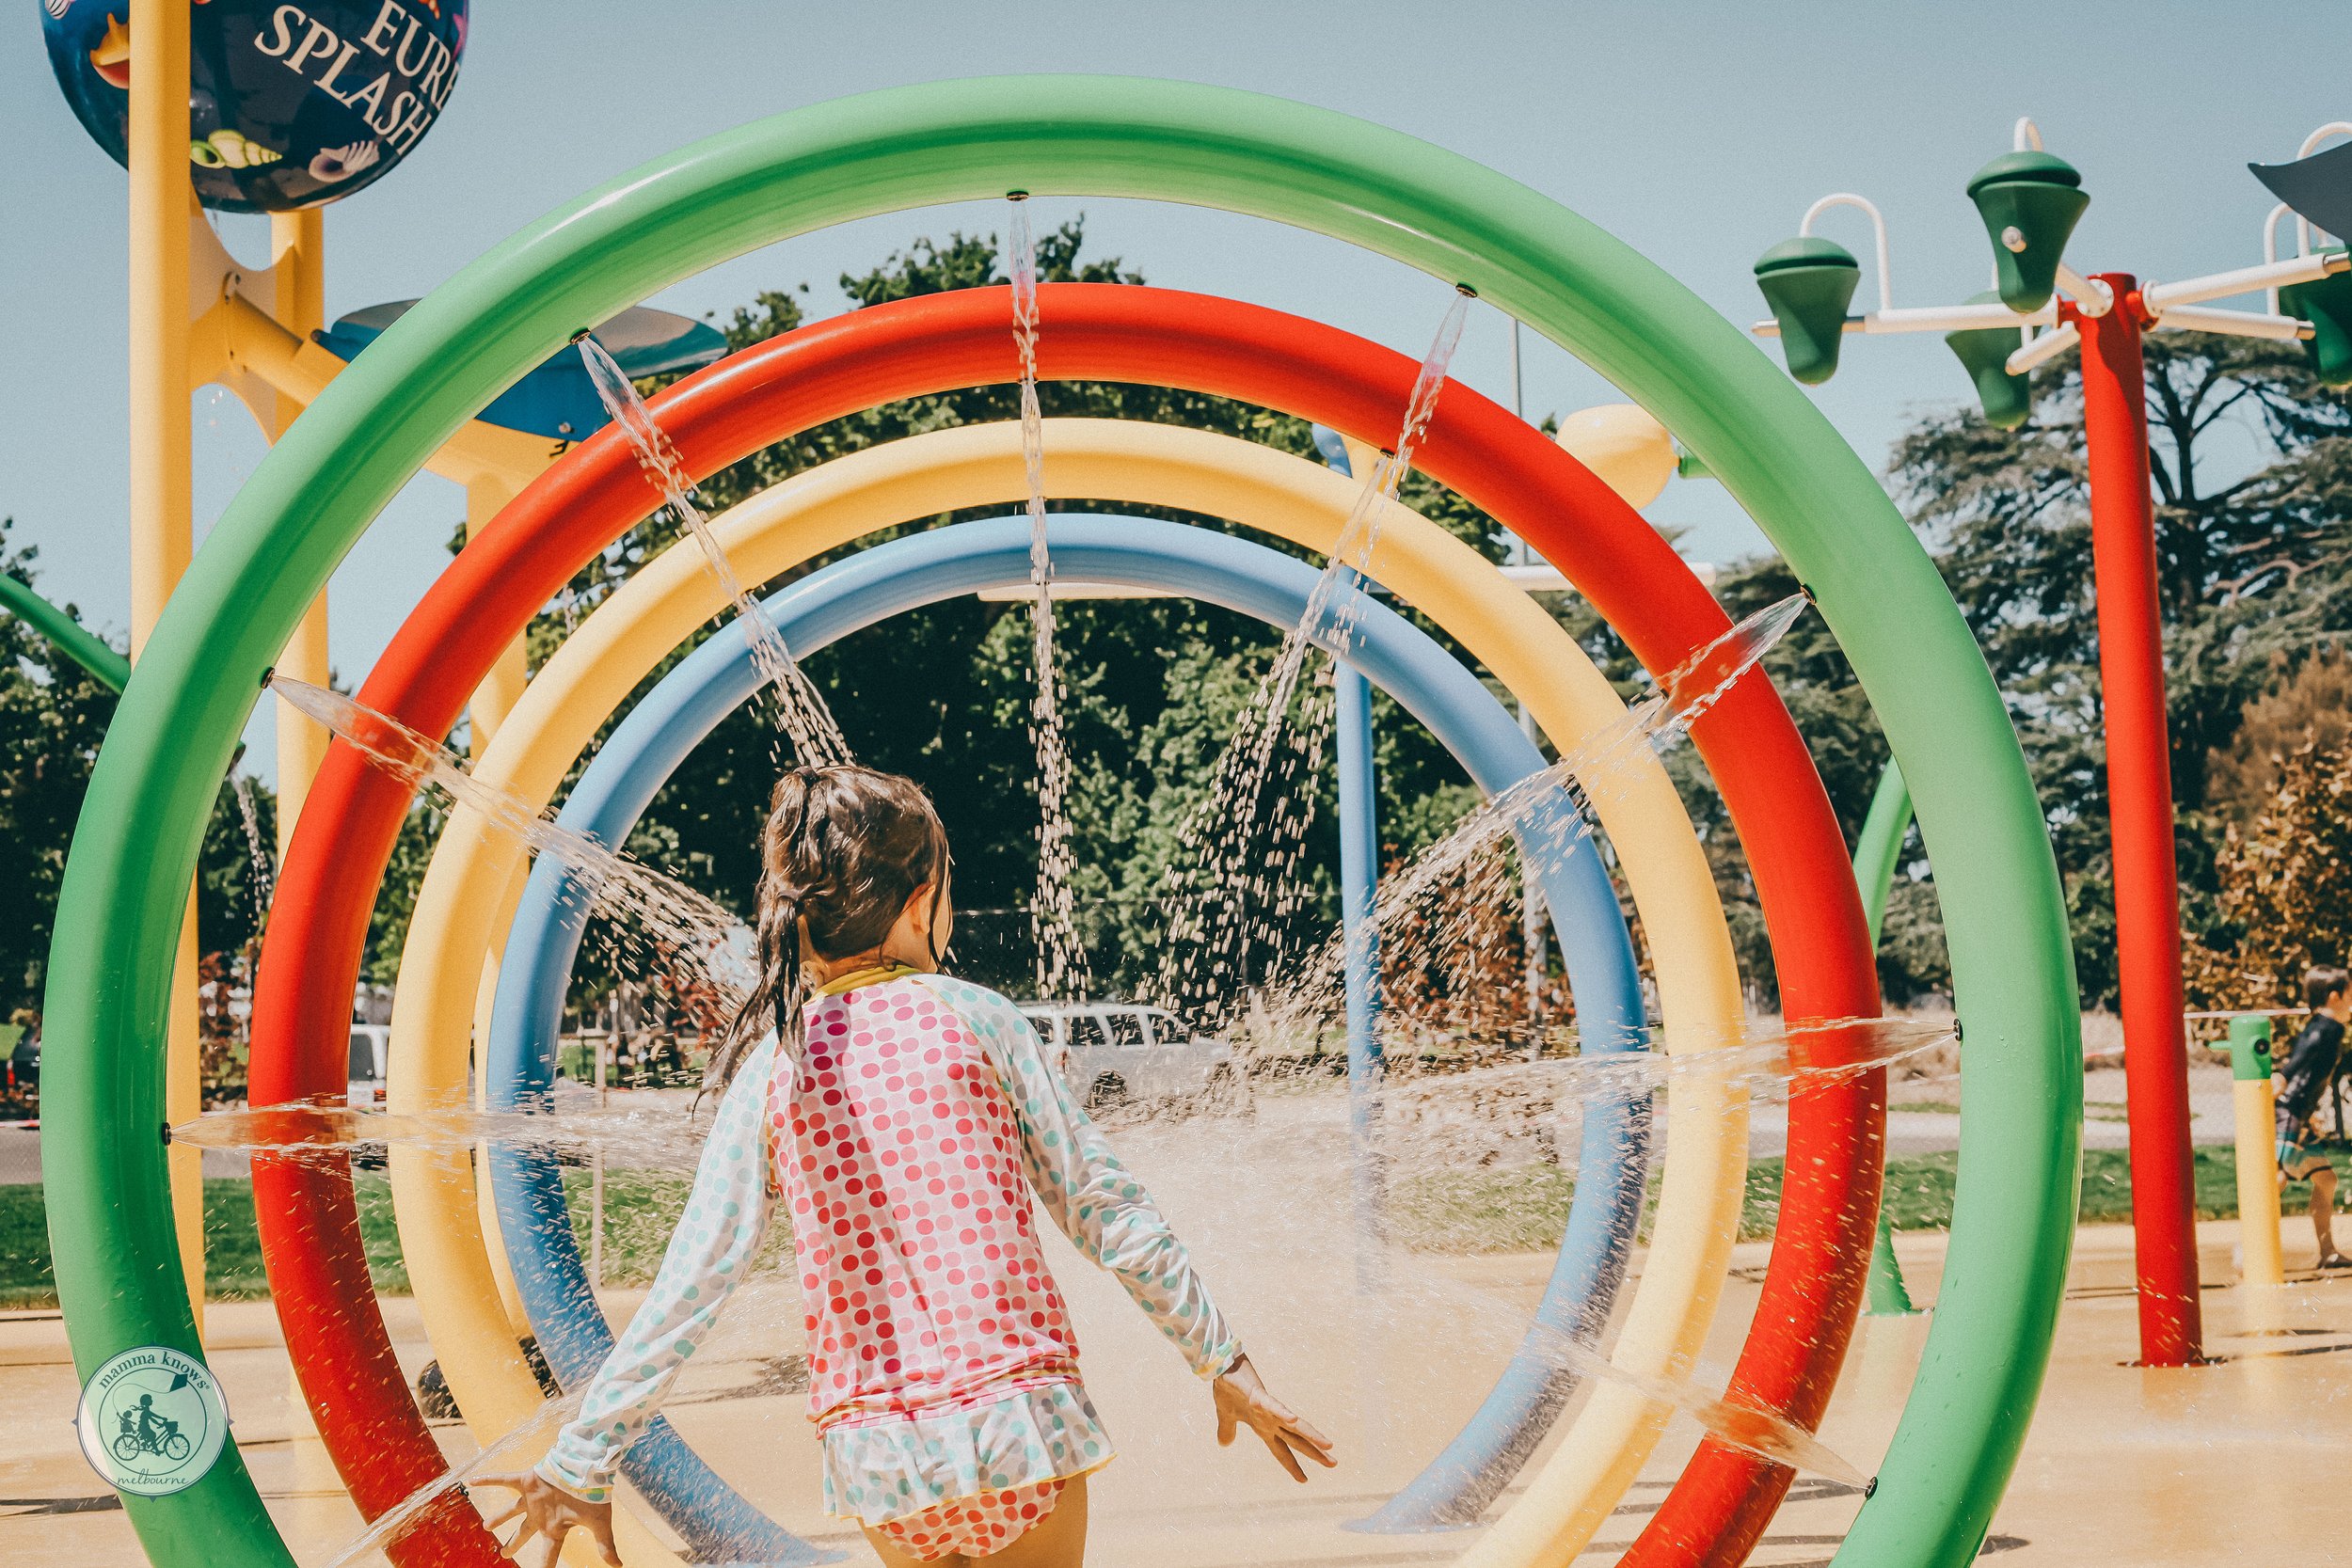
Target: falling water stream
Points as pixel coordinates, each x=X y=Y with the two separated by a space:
x=257 y=846
x=1238 y=852
x=1061 y=955
x=700 y=930
x=1276 y=746
x=1542 y=819
x=518 y=1450
x=801 y=709
x=702 y=939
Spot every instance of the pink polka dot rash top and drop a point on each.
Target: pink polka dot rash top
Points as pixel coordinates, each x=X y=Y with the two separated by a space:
x=907 y=1149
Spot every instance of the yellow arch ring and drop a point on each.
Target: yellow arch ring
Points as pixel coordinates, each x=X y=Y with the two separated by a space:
x=476 y=872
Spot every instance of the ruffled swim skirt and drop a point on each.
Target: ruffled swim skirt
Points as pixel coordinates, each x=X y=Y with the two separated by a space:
x=885 y=1466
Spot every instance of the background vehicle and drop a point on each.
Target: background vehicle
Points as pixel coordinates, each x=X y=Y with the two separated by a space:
x=1112 y=1053
x=369 y=1044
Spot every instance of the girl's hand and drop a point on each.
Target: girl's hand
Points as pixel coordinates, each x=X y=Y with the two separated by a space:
x=1242 y=1398
x=549 y=1512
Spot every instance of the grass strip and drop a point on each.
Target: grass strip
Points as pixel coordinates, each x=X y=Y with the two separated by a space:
x=1497 y=1209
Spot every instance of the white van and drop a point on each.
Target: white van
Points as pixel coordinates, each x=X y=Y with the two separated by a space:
x=1114 y=1053
x=371 y=1043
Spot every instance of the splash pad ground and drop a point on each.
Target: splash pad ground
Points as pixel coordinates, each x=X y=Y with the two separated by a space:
x=2155 y=1467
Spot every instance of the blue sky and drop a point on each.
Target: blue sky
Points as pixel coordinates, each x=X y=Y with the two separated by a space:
x=1697 y=133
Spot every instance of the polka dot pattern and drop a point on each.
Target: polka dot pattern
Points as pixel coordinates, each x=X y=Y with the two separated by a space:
x=974 y=1527
x=901 y=1161
x=908 y=1146
x=1091 y=1198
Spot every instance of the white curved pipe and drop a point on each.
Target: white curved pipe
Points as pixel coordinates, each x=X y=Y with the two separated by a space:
x=2270 y=248
x=2333 y=128
x=1878 y=225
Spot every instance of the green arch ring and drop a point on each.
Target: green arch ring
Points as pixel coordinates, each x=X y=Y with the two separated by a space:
x=126 y=886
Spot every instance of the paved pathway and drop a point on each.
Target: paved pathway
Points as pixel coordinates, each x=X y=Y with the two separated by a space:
x=2232 y=1462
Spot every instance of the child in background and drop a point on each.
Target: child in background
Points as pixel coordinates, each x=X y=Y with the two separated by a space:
x=906 y=1119
x=2309 y=1067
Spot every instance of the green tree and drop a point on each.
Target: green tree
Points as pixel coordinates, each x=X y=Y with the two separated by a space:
x=2283 y=889
x=943 y=692
x=53 y=719
x=2252 y=567
x=52 y=715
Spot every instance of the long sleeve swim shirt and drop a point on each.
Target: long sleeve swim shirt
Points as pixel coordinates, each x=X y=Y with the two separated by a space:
x=907 y=1146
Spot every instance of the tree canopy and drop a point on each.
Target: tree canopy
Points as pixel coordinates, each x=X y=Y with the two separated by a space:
x=2252 y=463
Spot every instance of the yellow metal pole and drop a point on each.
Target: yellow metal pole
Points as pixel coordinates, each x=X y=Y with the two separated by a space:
x=299 y=241
x=493 y=700
x=298 y=248
x=2258 y=1183
x=2256 y=1104
x=160 y=443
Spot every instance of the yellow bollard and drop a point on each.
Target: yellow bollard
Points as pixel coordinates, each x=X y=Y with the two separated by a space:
x=2257 y=1152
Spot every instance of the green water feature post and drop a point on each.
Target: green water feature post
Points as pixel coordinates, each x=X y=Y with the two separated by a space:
x=1875 y=854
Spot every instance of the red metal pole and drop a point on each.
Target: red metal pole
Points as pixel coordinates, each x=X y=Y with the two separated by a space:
x=2139 y=806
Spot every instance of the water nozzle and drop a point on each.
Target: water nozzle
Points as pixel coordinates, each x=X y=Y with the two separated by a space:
x=1807 y=283
x=2249 y=1049
x=2029 y=201
x=1983 y=353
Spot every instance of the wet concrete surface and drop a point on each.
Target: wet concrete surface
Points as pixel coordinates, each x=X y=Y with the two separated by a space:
x=2236 y=1461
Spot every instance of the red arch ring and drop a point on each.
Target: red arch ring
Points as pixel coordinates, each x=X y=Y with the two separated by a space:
x=1094 y=332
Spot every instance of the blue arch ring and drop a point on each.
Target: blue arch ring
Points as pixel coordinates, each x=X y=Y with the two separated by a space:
x=942 y=564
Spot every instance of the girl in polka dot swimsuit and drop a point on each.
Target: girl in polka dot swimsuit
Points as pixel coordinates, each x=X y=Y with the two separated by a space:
x=905 y=1121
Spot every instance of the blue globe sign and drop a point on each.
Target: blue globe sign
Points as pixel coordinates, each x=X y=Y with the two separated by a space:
x=288 y=105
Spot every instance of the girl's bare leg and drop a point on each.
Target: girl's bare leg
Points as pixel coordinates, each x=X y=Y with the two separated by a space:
x=1060 y=1542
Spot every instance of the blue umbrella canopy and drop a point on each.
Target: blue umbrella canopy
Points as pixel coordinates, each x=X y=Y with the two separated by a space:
x=557 y=400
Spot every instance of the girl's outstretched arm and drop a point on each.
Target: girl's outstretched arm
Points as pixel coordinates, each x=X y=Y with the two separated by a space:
x=725 y=1218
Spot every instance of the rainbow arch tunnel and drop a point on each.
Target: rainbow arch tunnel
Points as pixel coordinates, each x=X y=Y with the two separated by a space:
x=173 y=737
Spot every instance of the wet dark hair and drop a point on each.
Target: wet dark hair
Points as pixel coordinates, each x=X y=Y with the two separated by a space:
x=2322 y=983
x=844 y=849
